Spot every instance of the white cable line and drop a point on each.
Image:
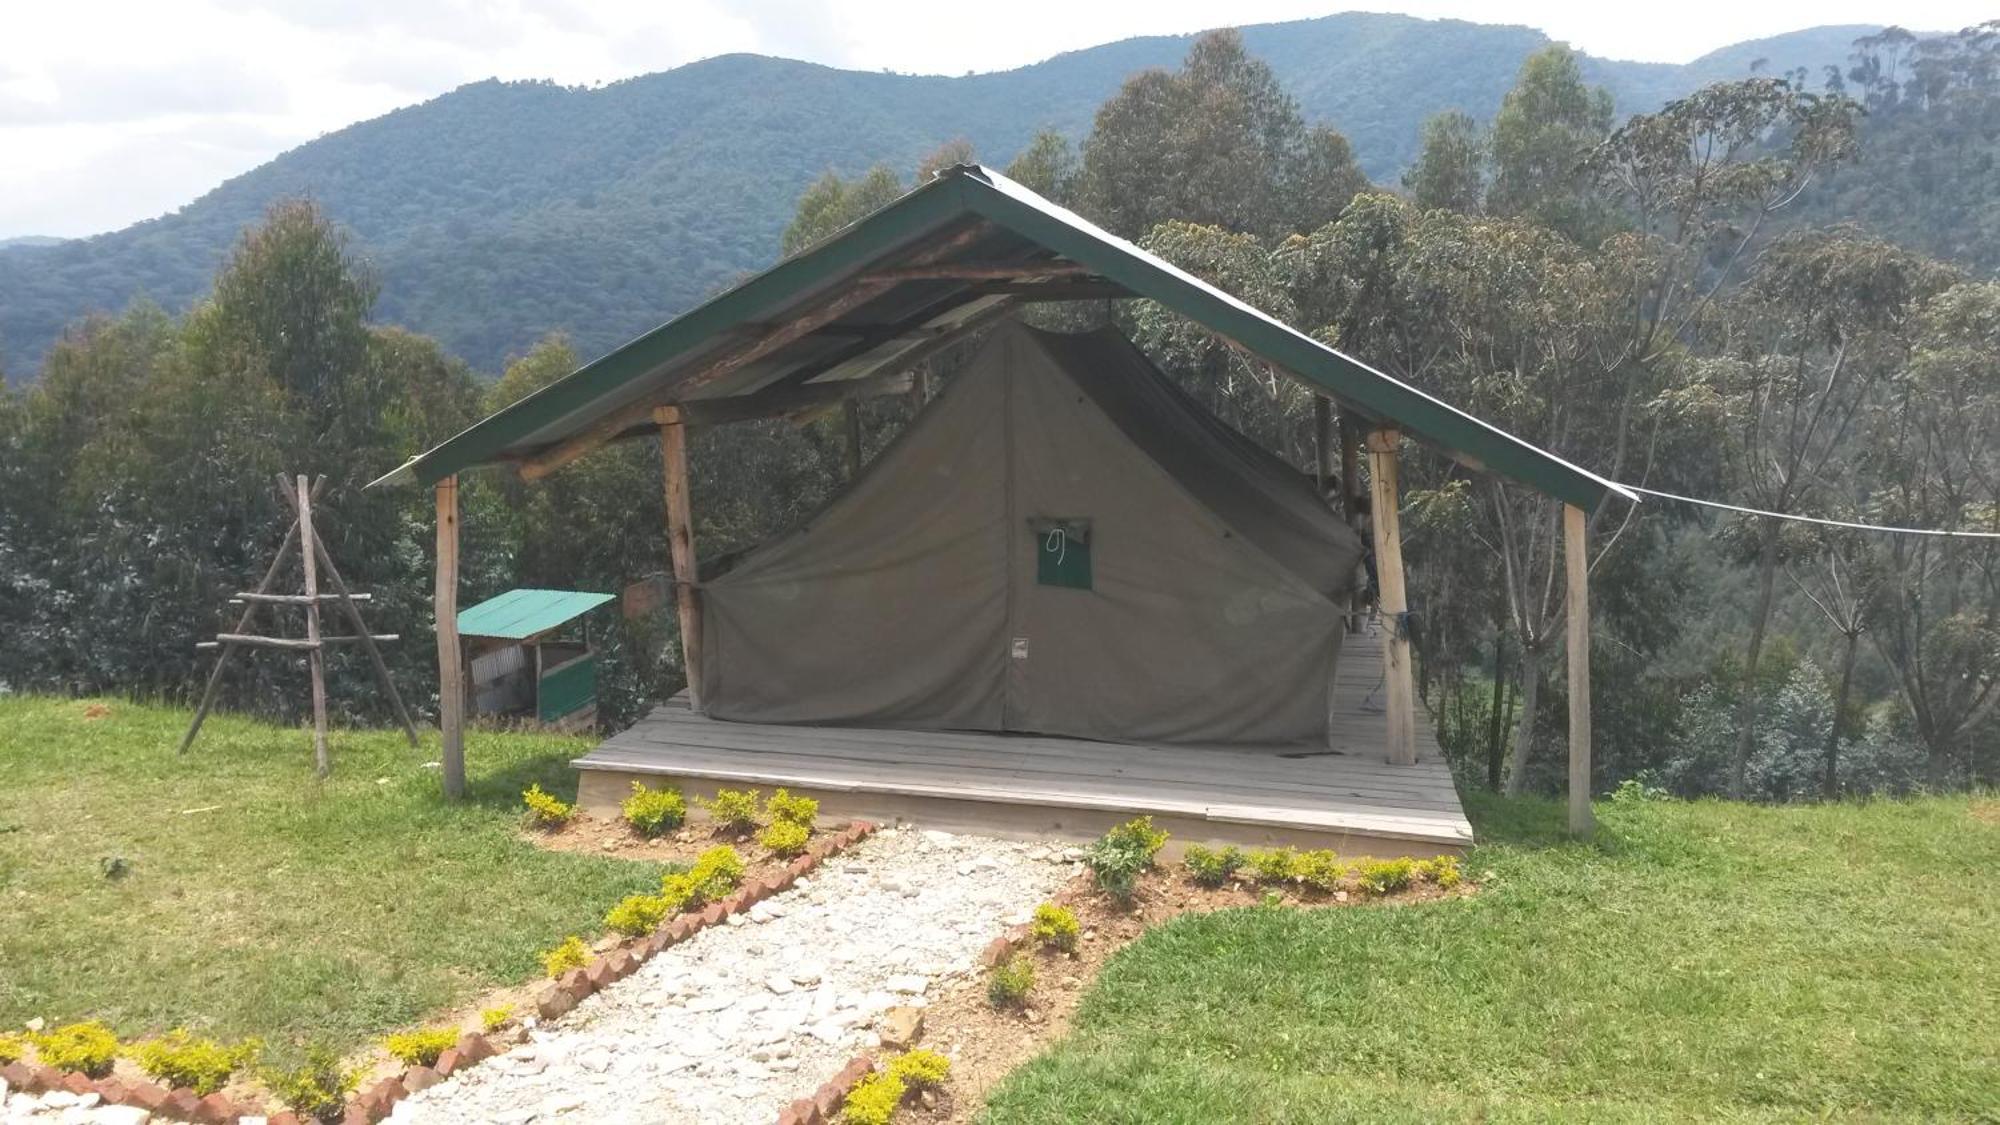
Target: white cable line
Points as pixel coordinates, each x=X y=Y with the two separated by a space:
x=1816 y=519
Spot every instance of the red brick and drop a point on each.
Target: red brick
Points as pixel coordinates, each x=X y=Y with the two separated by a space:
x=576 y=982
x=358 y=1114
x=681 y=926
x=77 y=1082
x=17 y=1073
x=624 y=963
x=713 y=914
x=554 y=1001
x=598 y=973
x=449 y=1060
x=777 y=883
x=827 y=1099
x=996 y=951
x=801 y=866
x=148 y=1096
x=801 y=1112
x=853 y=1072
x=182 y=1104
x=865 y=827
x=285 y=1118
x=420 y=1078
x=474 y=1048
x=216 y=1109
x=112 y=1091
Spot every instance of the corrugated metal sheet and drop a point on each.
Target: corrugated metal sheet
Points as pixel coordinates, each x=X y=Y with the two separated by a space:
x=523 y=613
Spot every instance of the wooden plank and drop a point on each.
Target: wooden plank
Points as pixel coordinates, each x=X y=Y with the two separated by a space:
x=290 y=599
x=680 y=544
x=1402 y=743
x=315 y=659
x=850 y=418
x=977 y=271
x=1224 y=762
x=242 y=623
x=451 y=657
x=781 y=401
x=1576 y=560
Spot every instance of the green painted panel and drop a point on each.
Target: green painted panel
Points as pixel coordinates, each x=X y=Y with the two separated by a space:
x=1062 y=552
x=523 y=613
x=567 y=689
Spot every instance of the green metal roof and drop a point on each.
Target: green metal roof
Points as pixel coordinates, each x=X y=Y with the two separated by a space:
x=519 y=614
x=974 y=215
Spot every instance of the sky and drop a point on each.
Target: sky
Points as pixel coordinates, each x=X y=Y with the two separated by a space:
x=114 y=111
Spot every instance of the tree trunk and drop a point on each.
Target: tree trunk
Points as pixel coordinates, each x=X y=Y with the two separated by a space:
x=1524 y=730
x=1494 y=755
x=1760 y=620
x=1831 y=787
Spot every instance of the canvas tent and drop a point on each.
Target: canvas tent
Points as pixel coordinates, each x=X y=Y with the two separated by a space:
x=1062 y=543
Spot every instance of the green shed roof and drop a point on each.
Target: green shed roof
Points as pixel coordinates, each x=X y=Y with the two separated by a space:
x=969 y=216
x=519 y=614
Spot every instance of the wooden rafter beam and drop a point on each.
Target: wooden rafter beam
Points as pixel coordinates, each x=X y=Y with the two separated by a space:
x=638 y=413
x=781 y=401
x=978 y=271
x=1088 y=289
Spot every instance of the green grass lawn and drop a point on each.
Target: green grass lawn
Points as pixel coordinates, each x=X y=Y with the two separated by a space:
x=294 y=909
x=1701 y=961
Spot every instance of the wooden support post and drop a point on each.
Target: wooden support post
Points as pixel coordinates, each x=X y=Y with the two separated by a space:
x=242 y=626
x=315 y=658
x=680 y=545
x=1576 y=556
x=1395 y=606
x=1322 y=442
x=850 y=416
x=451 y=658
x=1350 y=502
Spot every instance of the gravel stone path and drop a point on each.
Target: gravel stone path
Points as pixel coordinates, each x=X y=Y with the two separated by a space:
x=60 y=1107
x=738 y=1021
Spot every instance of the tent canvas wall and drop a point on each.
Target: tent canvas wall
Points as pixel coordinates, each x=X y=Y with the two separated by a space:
x=1062 y=543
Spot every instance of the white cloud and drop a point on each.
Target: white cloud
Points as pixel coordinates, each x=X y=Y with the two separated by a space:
x=113 y=111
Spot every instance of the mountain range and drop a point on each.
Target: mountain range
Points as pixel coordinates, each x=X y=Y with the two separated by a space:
x=505 y=210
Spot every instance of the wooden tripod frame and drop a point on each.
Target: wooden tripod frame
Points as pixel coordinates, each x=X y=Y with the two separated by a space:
x=299 y=497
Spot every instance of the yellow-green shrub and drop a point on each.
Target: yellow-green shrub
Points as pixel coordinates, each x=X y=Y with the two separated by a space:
x=637 y=914
x=1008 y=985
x=1055 y=927
x=494 y=1018
x=1442 y=870
x=11 y=1048
x=1383 y=876
x=784 y=837
x=316 y=1088
x=1211 y=867
x=1320 y=869
x=89 y=1047
x=201 y=1065
x=571 y=954
x=873 y=1100
x=545 y=810
x=785 y=808
x=1120 y=855
x=678 y=891
x=421 y=1047
x=1273 y=865
x=716 y=872
x=733 y=810
x=921 y=1069
x=653 y=811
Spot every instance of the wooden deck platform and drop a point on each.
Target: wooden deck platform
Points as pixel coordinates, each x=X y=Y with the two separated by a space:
x=1345 y=796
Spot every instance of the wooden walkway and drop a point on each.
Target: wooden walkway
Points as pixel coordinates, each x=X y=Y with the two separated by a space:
x=1344 y=796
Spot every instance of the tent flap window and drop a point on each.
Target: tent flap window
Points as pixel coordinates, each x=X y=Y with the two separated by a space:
x=1062 y=551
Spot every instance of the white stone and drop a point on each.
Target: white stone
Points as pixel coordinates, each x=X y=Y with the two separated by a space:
x=779 y=984
x=911 y=983
x=134 y=1115
x=597 y=1060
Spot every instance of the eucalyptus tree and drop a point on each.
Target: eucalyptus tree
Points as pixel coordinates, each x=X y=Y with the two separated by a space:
x=1450 y=169
x=1935 y=449
x=1548 y=124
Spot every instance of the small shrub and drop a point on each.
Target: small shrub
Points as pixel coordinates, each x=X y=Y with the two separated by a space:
x=653 y=811
x=421 y=1047
x=1442 y=870
x=1273 y=865
x=1055 y=927
x=1120 y=855
x=545 y=810
x=921 y=1069
x=1010 y=982
x=783 y=808
x=733 y=810
x=1272 y=900
x=874 y=1099
x=1320 y=869
x=678 y=891
x=637 y=915
x=89 y=1047
x=201 y=1065
x=783 y=837
x=1634 y=790
x=316 y=1088
x=571 y=954
x=11 y=1047
x=1212 y=868
x=1383 y=876
x=494 y=1018
x=715 y=873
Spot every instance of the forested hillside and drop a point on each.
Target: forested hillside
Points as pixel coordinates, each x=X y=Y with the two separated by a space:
x=500 y=211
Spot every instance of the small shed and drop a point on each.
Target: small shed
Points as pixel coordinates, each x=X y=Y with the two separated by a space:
x=530 y=656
